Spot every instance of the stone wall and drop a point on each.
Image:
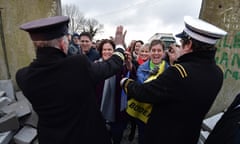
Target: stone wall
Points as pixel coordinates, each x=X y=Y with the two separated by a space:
x=16 y=49
x=225 y=14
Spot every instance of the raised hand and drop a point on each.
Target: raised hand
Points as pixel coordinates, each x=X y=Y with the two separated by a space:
x=120 y=36
x=128 y=60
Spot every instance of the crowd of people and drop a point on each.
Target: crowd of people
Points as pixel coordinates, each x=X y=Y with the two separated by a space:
x=85 y=90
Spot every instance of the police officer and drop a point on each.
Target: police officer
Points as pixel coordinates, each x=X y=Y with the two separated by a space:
x=61 y=88
x=184 y=93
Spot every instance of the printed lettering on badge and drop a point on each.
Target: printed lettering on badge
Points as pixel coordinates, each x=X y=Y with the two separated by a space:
x=139 y=110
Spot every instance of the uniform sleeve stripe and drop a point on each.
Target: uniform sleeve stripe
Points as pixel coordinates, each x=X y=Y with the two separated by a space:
x=120 y=55
x=181 y=70
x=126 y=84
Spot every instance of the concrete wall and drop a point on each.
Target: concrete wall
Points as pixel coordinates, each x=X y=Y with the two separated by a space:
x=226 y=14
x=16 y=49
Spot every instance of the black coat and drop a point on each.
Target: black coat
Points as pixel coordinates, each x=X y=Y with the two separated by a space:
x=227 y=129
x=62 y=92
x=181 y=97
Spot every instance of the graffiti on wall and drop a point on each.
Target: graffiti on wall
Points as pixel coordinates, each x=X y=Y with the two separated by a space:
x=53 y=11
x=228 y=56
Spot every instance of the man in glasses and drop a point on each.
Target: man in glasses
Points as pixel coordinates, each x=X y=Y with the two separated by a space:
x=184 y=93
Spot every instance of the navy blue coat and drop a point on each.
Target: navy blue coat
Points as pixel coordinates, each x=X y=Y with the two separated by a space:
x=62 y=92
x=181 y=97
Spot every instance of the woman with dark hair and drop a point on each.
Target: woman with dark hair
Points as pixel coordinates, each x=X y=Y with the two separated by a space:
x=136 y=47
x=109 y=93
x=135 y=51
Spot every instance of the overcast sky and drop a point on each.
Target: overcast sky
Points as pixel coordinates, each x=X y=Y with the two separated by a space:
x=141 y=18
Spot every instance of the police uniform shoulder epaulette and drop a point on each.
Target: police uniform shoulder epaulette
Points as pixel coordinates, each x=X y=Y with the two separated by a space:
x=181 y=70
x=119 y=54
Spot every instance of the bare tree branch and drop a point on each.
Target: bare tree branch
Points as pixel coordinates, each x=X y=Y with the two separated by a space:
x=78 y=23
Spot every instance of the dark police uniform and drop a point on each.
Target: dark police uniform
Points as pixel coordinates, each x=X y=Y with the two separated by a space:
x=61 y=90
x=181 y=97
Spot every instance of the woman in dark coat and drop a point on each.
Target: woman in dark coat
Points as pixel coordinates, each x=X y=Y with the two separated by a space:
x=109 y=93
